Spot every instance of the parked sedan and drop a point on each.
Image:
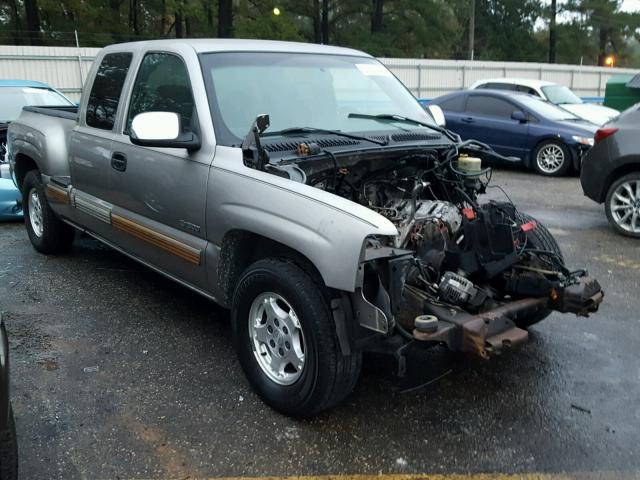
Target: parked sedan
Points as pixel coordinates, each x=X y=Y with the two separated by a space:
x=528 y=129
x=557 y=94
x=611 y=171
x=15 y=94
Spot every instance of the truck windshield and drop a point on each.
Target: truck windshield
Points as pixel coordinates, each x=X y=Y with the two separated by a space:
x=12 y=99
x=303 y=90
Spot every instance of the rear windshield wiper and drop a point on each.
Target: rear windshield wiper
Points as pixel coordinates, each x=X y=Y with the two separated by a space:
x=297 y=130
x=399 y=118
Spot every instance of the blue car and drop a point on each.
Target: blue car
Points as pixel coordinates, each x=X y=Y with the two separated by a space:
x=15 y=94
x=532 y=131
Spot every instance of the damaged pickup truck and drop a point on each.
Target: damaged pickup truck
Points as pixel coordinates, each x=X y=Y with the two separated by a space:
x=303 y=187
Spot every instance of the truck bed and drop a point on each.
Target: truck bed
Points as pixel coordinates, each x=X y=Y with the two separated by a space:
x=70 y=113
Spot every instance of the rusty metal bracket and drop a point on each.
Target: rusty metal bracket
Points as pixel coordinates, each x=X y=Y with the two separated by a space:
x=485 y=334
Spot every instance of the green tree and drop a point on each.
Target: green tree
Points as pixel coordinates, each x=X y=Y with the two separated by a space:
x=607 y=26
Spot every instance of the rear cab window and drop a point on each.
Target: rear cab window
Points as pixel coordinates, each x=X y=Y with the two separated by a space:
x=106 y=90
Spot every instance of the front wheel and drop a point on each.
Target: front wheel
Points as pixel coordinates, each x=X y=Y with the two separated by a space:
x=552 y=159
x=622 y=205
x=286 y=340
x=48 y=234
x=540 y=238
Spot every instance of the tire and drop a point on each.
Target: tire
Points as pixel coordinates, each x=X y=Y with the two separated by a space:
x=624 y=217
x=324 y=376
x=541 y=239
x=9 y=451
x=48 y=234
x=551 y=158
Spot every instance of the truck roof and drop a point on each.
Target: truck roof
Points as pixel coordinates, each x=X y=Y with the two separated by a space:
x=203 y=45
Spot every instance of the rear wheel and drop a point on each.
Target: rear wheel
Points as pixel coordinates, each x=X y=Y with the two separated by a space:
x=622 y=205
x=552 y=158
x=48 y=234
x=539 y=238
x=286 y=340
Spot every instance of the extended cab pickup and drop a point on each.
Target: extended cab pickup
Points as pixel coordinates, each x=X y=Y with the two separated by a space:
x=301 y=186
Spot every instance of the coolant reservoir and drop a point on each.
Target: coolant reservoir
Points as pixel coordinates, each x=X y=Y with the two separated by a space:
x=469 y=165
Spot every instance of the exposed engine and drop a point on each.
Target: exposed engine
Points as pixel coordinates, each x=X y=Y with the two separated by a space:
x=459 y=272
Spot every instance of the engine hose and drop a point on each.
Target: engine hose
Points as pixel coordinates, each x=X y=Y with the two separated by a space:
x=403 y=333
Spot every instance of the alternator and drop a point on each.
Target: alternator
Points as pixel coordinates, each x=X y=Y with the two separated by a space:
x=456 y=289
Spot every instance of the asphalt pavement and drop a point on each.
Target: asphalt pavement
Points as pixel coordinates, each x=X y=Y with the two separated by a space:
x=119 y=373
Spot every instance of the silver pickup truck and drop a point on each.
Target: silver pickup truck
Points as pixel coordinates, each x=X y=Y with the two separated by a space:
x=303 y=187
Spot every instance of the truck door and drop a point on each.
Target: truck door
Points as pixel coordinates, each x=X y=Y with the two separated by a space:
x=159 y=194
x=90 y=161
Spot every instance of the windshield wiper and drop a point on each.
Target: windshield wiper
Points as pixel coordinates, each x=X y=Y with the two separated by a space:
x=296 y=130
x=399 y=118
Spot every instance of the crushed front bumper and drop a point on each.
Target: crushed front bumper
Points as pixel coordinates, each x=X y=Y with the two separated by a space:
x=490 y=333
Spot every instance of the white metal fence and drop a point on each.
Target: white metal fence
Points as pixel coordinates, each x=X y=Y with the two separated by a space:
x=66 y=68
x=431 y=78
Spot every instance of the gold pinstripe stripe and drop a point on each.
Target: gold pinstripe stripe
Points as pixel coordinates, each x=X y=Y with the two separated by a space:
x=57 y=194
x=168 y=244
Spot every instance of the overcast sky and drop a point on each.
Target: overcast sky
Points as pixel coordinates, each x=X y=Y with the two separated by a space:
x=631 y=5
x=627 y=5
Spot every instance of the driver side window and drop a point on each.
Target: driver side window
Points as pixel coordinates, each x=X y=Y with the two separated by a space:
x=162 y=85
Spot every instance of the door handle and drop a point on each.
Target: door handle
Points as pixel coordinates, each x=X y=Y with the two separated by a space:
x=467 y=119
x=119 y=161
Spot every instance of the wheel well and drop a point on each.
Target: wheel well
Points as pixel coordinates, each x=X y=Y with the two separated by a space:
x=241 y=248
x=23 y=165
x=621 y=171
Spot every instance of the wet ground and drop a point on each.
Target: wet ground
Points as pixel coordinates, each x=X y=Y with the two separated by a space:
x=119 y=373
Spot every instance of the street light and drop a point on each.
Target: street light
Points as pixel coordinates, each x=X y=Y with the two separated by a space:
x=276 y=11
x=610 y=60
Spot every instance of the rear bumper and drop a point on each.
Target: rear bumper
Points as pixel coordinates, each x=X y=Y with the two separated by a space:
x=595 y=171
x=10 y=201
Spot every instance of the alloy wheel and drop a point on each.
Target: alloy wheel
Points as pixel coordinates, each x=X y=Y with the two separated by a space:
x=277 y=338
x=625 y=206
x=550 y=158
x=35 y=212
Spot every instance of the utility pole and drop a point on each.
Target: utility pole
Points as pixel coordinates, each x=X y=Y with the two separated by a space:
x=552 y=32
x=472 y=28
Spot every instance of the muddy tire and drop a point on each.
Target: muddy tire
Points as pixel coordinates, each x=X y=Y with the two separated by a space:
x=286 y=341
x=48 y=234
x=9 y=451
x=541 y=239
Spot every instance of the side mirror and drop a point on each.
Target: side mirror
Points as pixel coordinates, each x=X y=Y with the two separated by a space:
x=437 y=114
x=520 y=116
x=161 y=130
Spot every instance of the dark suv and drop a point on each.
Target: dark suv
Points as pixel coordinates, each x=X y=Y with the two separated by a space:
x=611 y=171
